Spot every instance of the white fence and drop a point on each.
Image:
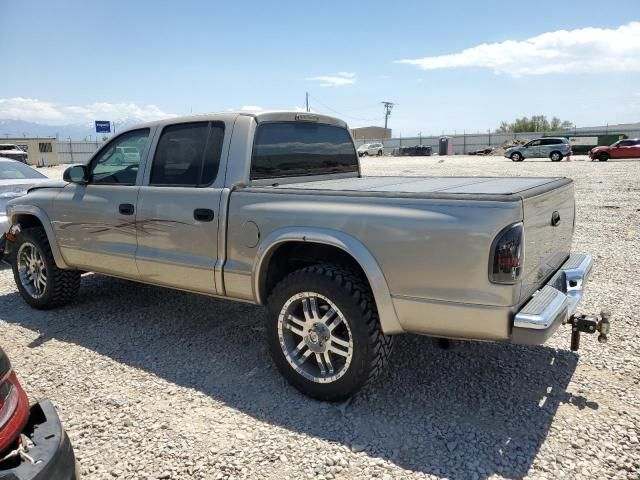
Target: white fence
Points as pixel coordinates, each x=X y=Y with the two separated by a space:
x=465 y=143
x=76 y=152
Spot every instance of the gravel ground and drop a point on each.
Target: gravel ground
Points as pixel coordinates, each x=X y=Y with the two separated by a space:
x=153 y=383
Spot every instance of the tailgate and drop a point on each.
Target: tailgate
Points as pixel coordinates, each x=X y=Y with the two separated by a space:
x=548 y=228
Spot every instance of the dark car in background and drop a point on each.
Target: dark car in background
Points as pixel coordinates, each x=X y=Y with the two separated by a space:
x=33 y=444
x=627 y=148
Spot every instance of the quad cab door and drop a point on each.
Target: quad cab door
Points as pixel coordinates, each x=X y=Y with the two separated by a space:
x=94 y=223
x=179 y=207
x=531 y=149
x=627 y=149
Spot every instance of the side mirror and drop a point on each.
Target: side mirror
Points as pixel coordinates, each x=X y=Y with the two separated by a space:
x=76 y=174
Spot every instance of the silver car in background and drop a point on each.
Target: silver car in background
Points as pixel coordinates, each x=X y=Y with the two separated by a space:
x=371 y=149
x=13 y=152
x=554 y=148
x=15 y=179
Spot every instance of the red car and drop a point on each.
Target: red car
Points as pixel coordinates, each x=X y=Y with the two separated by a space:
x=627 y=148
x=33 y=444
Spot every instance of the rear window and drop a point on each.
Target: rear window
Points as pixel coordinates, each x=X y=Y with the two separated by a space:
x=286 y=149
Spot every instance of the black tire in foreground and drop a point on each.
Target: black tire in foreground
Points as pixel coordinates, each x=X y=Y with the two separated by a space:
x=516 y=157
x=40 y=282
x=603 y=157
x=324 y=333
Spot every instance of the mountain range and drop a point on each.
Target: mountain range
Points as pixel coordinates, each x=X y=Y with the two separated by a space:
x=75 y=131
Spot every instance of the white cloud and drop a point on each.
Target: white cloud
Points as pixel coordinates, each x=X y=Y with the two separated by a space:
x=563 y=51
x=338 y=80
x=34 y=110
x=251 y=108
x=30 y=109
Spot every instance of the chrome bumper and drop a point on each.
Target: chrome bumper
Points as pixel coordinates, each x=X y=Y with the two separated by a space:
x=554 y=303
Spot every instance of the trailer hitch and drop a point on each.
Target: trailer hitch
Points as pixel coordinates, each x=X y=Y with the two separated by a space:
x=589 y=324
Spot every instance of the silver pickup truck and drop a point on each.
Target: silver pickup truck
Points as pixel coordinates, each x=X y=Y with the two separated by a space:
x=272 y=209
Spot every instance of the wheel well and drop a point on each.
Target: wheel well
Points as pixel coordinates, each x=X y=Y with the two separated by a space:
x=292 y=256
x=27 y=221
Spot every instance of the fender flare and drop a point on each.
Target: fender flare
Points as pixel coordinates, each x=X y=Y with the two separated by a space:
x=16 y=210
x=352 y=246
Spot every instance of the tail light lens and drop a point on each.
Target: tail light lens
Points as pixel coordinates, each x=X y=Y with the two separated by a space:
x=14 y=410
x=507 y=255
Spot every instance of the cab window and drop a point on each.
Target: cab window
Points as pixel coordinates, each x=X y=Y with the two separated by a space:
x=188 y=155
x=118 y=162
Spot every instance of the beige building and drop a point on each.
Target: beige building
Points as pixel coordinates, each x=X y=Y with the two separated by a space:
x=41 y=151
x=371 y=133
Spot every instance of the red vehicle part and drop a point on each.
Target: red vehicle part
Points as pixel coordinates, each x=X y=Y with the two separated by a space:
x=14 y=410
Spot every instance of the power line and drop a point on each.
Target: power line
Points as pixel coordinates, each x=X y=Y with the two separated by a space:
x=339 y=113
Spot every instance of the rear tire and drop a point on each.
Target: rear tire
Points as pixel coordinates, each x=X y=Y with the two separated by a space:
x=379 y=153
x=40 y=282
x=301 y=338
x=603 y=157
x=555 y=156
x=516 y=157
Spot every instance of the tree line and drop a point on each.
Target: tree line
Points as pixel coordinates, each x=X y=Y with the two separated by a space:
x=535 y=123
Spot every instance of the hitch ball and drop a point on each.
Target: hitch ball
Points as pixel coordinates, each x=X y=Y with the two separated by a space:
x=603 y=326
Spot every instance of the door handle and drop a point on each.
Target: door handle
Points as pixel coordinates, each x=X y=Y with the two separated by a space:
x=203 y=214
x=126 y=209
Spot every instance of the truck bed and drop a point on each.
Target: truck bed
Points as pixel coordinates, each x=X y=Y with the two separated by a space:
x=422 y=218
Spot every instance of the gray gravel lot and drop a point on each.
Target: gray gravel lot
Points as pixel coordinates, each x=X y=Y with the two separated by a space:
x=153 y=383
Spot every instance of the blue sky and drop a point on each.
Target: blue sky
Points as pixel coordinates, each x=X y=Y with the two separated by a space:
x=146 y=59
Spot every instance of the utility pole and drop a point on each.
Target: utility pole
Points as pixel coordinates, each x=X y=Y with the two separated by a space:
x=307 y=100
x=387 y=111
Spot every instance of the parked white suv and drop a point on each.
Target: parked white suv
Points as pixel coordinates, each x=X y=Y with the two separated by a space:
x=370 y=149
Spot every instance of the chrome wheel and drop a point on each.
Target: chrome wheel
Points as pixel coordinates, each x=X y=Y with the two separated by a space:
x=315 y=337
x=32 y=270
x=555 y=157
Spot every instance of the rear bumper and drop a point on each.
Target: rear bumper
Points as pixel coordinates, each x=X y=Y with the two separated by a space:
x=53 y=454
x=554 y=303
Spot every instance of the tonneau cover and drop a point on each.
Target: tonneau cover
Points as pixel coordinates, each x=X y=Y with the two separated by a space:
x=521 y=186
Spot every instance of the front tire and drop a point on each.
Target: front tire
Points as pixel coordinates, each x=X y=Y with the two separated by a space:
x=324 y=333
x=516 y=157
x=40 y=282
x=603 y=157
x=379 y=153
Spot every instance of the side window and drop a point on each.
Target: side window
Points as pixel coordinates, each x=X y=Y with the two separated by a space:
x=535 y=143
x=188 y=154
x=626 y=143
x=118 y=162
x=550 y=141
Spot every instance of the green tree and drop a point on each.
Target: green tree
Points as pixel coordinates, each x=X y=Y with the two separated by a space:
x=537 y=123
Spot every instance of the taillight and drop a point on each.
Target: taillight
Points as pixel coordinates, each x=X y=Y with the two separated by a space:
x=14 y=410
x=507 y=255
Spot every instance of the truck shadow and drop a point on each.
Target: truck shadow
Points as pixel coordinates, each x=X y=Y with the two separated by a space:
x=478 y=408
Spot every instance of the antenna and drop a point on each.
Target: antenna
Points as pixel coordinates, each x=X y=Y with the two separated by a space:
x=307 y=100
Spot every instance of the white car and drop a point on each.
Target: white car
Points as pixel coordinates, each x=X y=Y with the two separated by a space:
x=15 y=179
x=9 y=150
x=371 y=149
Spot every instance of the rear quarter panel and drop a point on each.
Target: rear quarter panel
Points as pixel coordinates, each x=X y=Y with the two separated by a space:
x=427 y=249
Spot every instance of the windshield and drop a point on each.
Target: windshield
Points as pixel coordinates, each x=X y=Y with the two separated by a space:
x=15 y=170
x=8 y=147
